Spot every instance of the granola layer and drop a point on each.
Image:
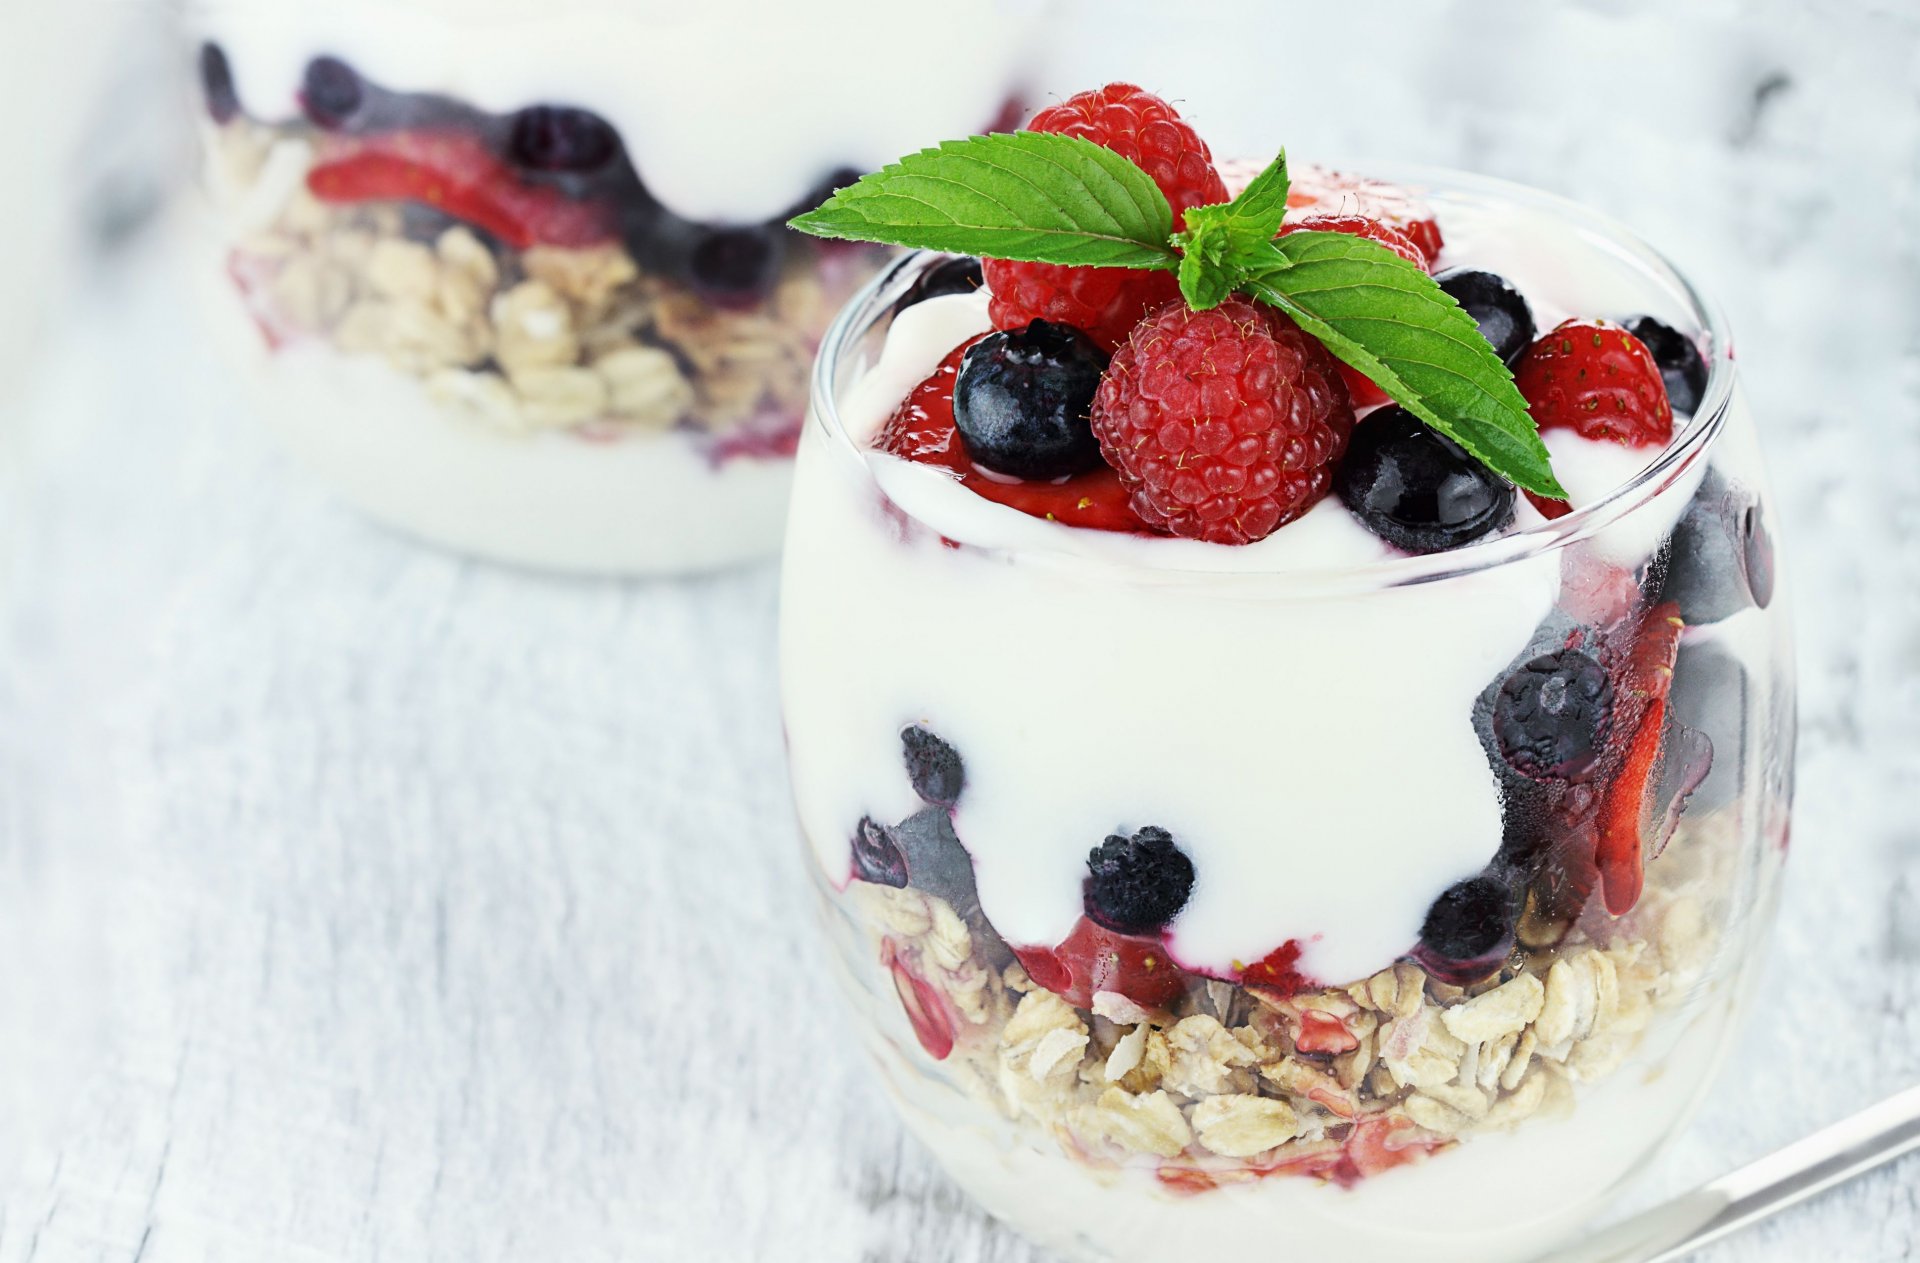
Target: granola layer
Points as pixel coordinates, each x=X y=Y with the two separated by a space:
x=549 y=338
x=1232 y=1083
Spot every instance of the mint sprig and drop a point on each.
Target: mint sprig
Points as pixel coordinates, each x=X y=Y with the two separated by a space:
x=1042 y=198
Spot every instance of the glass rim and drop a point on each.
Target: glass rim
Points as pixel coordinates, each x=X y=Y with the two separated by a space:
x=877 y=297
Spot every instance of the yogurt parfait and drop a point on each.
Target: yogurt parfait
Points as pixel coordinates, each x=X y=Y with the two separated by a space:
x=1287 y=689
x=516 y=278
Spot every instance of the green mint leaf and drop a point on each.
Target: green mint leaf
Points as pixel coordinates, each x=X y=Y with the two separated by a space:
x=1385 y=317
x=1207 y=272
x=1262 y=205
x=1029 y=196
x=1222 y=244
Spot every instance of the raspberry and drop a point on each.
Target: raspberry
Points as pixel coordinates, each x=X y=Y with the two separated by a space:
x=1103 y=303
x=1595 y=378
x=1373 y=230
x=1364 y=393
x=1224 y=424
x=1317 y=191
x=1107 y=302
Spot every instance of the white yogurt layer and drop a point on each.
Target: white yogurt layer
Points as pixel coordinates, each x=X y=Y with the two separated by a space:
x=645 y=503
x=733 y=110
x=1314 y=755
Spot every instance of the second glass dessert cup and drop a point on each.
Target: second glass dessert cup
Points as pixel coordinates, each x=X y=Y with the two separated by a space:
x=515 y=277
x=1409 y=1007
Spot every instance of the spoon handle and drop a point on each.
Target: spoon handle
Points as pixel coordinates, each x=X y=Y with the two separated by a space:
x=1786 y=1177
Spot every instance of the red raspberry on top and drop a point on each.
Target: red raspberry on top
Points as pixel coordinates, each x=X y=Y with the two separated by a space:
x=1224 y=424
x=1594 y=377
x=1318 y=191
x=1108 y=302
x=1373 y=230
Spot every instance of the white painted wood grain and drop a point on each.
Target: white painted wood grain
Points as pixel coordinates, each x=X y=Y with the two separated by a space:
x=360 y=903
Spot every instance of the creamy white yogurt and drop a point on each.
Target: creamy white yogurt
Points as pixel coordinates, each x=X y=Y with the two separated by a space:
x=643 y=503
x=733 y=110
x=1314 y=755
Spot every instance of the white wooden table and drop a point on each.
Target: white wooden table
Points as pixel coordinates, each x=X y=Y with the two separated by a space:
x=362 y=903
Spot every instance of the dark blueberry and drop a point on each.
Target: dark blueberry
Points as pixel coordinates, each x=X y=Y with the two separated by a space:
x=559 y=138
x=1719 y=559
x=216 y=80
x=1136 y=885
x=1418 y=489
x=1469 y=929
x=876 y=856
x=1495 y=305
x=740 y=263
x=331 y=92
x=1681 y=366
x=1552 y=715
x=959 y=274
x=933 y=766
x=937 y=862
x=1023 y=400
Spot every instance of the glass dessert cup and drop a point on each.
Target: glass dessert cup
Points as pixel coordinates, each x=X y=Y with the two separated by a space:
x=973 y=702
x=512 y=294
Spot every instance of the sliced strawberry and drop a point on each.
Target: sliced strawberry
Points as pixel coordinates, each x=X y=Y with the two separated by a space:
x=457 y=173
x=1621 y=836
x=1094 y=959
x=926 y=1008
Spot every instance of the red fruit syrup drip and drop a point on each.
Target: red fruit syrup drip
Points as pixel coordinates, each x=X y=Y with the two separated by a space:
x=1279 y=971
x=923 y=431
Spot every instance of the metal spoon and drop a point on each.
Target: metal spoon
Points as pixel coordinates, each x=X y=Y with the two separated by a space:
x=1786 y=1177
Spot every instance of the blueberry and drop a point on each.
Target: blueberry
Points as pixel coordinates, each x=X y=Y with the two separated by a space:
x=876 y=855
x=1681 y=366
x=216 y=80
x=1469 y=929
x=736 y=262
x=1496 y=306
x=1418 y=489
x=1135 y=885
x=559 y=138
x=1552 y=715
x=959 y=274
x=331 y=92
x=1023 y=399
x=933 y=766
x=937 y=862
x=1719 y=559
